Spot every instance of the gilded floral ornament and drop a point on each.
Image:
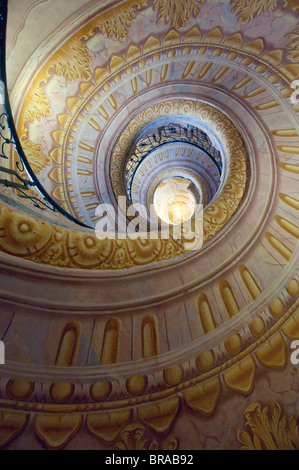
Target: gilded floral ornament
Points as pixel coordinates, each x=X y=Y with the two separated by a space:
x=177 y=13
x=35 y=155
x=247 y=10
x=272 y=431
x=293 y=48
x=37 y=105
x=291 y=5
x=132 y=438
x=72 y=61
x=28 y=237
x=116 y=22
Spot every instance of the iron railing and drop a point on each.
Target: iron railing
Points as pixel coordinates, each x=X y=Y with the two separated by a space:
x=168 y=134
x=21 y=178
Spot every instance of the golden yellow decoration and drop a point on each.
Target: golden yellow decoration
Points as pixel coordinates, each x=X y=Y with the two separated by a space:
x=177 y=13
x=173 y=375
x=61 y=391
x=273 y=352
x=100 y=390
x=116 y=21
x=19 y=389
x=30 y=238
x=111 y=421
x=106 y=426
x=12 y=423
x=160 y=415
x=55 y=430
x=136 y=385
x=291 y=327
x=293 y=47
x=272 y=431
x=36 y=104
x=231 y=195
x=65 y=61
x=241 y=376
x=248 y=9
x=21 y=234
x=204 y=397
x=71 y=60
x=291 y=5
x=132 y=438
x=35 y=155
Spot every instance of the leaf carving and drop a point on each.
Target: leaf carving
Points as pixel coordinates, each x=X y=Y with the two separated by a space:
x=268 y=430
x=247 y=10
x=177 y=13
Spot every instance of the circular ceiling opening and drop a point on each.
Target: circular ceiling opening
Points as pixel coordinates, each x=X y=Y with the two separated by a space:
x=180 y=131
x=174 y=201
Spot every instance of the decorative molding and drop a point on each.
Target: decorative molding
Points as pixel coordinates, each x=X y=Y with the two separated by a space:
x=55 y=430
x=121 y=422
x=30 y=238
x=247 y=10
x=177 y=13
x=35 y=109
x=36 y=156
x=293 y=47
x=110 y=410
x=269 y=429
x=36 y=104
x=199 y=386
x=115 y=22
x=233 y=190
x=71 y=60
x=12 y=423
x=131 y=437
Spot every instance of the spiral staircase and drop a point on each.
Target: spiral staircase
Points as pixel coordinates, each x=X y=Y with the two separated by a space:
x=140 y=343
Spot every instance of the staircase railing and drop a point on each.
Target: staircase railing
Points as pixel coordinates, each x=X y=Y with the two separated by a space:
x=21 y=178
